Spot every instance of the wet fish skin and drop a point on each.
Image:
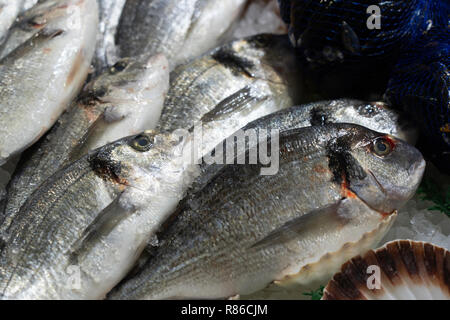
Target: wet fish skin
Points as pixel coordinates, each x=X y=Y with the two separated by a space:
x=377 y=116
x=105 y=53
x=18 y=261
x=180 y=29
x=47 y=13
x=41 y=77
x=213 y=248
x=198 y=87
x=28 y=4
x=123 y=101
x=9 y=9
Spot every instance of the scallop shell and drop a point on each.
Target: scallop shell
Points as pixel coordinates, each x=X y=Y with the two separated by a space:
x=400 y=270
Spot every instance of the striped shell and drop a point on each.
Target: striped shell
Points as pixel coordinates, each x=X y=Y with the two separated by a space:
x=406 y=269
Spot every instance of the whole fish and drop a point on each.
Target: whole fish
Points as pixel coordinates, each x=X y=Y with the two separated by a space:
x=105 y=53
x=180 y=29
x=336 y=192
x=40 y=77
x=123 y=101
x=233 y=70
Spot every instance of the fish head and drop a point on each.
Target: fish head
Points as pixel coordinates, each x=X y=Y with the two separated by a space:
x=381 y=170
x=143 y=160
x=128 y=79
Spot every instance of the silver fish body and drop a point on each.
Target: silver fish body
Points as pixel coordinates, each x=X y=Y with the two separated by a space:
x=41 y=77
x=377 y=116
x=45 y=14
x=242 y=230
x=179 y=29
x=105 y=53
x=28 y=4
x=232 y=72
x=9 y=9
x=17 y=262
x=123 y=101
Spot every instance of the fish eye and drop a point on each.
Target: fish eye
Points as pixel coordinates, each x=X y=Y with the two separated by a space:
x=262 y=40
x=142 y=143
x=382 y=147
x=118 y=67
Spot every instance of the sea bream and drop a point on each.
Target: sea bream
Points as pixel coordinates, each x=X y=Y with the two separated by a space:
x=336 y=192
x=259 y=64
x=40 y=77
x=123 y=101
x=180 y=29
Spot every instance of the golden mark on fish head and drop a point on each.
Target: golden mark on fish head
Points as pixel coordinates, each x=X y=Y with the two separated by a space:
x=79 y=59
x=46 y=50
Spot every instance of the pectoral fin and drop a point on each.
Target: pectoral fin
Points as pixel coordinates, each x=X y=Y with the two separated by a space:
x=236 y=102
x=294 y=229
x=100 y=227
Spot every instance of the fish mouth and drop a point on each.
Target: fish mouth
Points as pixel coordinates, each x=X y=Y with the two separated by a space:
x=383 y=213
